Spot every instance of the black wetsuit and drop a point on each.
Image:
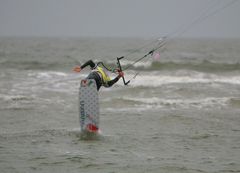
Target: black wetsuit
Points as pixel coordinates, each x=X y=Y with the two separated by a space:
x=95 y=75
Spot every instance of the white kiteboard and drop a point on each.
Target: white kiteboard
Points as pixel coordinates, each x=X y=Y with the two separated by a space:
x=88 y=106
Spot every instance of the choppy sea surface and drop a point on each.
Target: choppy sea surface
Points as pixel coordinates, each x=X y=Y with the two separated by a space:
x=180 y=114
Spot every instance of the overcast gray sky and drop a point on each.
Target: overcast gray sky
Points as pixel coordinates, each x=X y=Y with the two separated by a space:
x=117 y=18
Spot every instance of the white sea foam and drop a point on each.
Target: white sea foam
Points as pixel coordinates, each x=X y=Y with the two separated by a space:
x=153 y=80
x=144 y=64
x=50 y=80
x=155 y=103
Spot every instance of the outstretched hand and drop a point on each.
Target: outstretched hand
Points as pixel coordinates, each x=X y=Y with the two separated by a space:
x=77 y=69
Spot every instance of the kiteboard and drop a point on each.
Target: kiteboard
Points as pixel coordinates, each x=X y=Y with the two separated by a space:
x=88 y=106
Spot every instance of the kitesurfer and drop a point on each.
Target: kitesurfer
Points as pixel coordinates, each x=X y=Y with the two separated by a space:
x=99 y=75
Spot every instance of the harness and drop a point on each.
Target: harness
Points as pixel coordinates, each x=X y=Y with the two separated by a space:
x=104 y=76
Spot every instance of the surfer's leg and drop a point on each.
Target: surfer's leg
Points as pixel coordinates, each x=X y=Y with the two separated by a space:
x=96 y=77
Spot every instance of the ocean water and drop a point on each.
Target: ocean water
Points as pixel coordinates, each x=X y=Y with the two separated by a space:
x=181 y=113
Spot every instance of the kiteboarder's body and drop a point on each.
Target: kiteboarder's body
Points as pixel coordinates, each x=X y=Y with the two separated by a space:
x=99 y=75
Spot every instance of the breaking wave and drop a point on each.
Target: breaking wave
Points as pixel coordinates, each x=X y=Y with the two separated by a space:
x=152 y=80
x=203 y=66
x=35 y=64
x=160 y=103
x=62 y=64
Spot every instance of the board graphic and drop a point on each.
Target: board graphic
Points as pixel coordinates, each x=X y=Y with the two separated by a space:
x=88 y=106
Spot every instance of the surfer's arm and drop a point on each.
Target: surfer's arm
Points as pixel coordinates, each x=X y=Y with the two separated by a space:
x=111 y=82
x=88 y=63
